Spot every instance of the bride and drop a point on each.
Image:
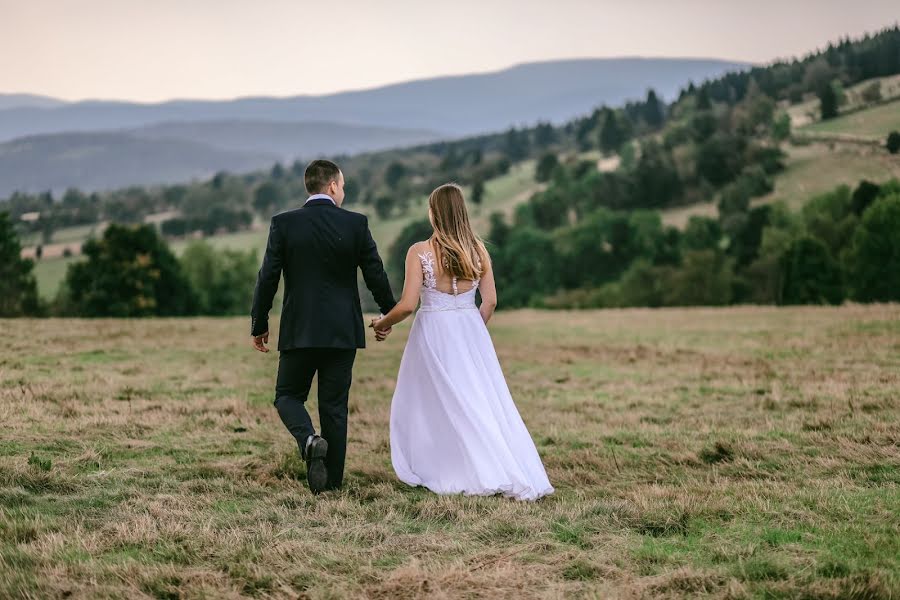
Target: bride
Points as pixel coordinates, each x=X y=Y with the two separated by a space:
x=454 y=427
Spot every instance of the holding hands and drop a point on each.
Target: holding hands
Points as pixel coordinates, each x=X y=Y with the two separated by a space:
x=381 y=332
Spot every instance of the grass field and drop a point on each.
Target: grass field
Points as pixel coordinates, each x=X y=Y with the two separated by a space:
x=807 y=112
x=810 y=170
x=501 y=194
x=873 y=123
x=732 y=453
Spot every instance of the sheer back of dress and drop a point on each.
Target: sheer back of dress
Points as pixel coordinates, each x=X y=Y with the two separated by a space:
x=455 y=295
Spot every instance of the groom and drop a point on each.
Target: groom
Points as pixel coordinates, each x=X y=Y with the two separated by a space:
x=319 y=248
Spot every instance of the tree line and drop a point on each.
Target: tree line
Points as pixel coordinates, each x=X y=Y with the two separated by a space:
x=388 y=181
x=130 y=271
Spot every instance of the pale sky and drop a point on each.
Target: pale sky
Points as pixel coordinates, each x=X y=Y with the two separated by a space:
x=153 y=50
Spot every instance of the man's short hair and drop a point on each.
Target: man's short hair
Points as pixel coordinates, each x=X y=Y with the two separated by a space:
x=319 y=173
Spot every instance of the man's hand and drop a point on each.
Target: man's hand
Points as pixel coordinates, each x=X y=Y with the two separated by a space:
x=259 y=341
x=380 y=334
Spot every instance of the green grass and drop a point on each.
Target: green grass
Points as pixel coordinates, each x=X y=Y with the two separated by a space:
x=873 y=123
x=241 y=240
x=814 y=169
x=807 y=112
x=77 y=233
x=50 y=273
x=746 y=452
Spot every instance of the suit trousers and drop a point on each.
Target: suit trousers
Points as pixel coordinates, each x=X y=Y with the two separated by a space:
x=296 y=369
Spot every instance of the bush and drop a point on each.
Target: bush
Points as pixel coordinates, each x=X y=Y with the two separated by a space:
x=701 y=233
x=18 y=288
x=893 y=142
x=641 y=285
x=863 y=196
x=781 y=127
x=828 y=101
x=830 y=218
x=872 y=92
x=545 y=167
x=810 y=274
x=526 y=267
x=705 y=278
x=719 y=158
x=129 y=272
x=223 y=280
x=874 y=257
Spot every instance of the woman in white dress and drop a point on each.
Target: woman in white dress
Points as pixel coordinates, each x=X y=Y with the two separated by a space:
x=454 y=427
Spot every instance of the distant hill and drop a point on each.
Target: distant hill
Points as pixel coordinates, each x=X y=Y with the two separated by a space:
x=93 y=161
x=27 y=100
x=121 y=143
x=453 y=106
x=287 y=140
x=176 y=152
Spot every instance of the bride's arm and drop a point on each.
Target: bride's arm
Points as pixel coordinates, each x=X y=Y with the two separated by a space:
x=410 y=298
x=488 y=292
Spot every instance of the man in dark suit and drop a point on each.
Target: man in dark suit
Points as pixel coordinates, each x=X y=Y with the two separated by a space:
x=318 y=248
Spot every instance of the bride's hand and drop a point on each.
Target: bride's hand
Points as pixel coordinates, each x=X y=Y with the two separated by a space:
x=380 y=334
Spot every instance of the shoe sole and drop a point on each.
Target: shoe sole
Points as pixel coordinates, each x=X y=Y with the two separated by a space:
x=316 y=472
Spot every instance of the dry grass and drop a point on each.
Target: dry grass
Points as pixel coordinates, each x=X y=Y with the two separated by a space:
x=733 y=453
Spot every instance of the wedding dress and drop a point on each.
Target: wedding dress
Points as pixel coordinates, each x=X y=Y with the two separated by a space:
x=454 y=428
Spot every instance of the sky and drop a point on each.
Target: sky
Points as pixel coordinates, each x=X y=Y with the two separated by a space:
x=155 y=50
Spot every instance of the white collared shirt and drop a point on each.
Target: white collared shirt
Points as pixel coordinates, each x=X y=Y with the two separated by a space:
x=320 y=197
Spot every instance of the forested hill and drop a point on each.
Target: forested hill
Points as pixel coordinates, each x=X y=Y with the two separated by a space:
x=263 y=130
x=594 y=238
x=592 y=235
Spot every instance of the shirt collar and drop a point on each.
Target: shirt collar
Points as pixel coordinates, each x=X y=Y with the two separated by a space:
x=321 y=197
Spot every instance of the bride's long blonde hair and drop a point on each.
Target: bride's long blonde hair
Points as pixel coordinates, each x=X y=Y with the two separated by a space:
x=457 y=248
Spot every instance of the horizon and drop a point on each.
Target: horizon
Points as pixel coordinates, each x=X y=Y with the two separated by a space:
x=123 y=51
x=388 y=84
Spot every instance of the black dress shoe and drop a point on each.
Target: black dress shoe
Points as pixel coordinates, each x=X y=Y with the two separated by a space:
x=316 y=471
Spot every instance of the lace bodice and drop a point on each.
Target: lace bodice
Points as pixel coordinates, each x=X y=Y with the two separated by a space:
x=432 y=299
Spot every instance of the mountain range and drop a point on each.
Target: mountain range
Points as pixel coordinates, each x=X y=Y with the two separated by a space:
x=183 y=139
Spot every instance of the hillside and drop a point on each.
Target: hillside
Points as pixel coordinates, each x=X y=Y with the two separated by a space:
x=826 y=154
x=872 y=124
x=810 y=169
x=288 y=140
x=175 y=152
x=99 y=161
x=591 y=235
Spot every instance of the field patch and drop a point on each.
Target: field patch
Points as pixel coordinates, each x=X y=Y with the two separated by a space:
x=740 y=452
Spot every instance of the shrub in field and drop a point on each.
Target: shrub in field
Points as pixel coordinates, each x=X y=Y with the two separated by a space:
x=18 y=289
x=223 y=279
x=893 y=142
x=810 y=274
x=874 y=255
x=129 y=272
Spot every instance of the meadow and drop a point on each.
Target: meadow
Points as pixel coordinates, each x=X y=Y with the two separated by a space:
x=746 y=452
x=873 y=123
x=810 y=169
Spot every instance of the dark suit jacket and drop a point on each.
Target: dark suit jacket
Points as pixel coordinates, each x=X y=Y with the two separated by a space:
x=319 y=248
